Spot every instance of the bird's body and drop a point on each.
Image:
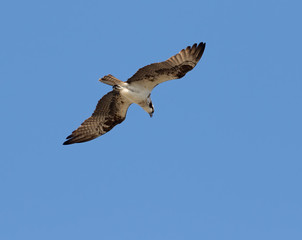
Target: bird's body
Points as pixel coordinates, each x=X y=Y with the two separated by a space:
x=112 y=108
x=136 y=94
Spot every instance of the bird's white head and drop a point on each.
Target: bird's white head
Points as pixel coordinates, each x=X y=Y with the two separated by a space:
x=149 y=108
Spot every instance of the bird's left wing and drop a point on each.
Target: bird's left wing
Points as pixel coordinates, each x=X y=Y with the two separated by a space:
x=110 y=111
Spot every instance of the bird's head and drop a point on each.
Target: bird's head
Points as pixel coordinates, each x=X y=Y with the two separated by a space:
x=149 y=108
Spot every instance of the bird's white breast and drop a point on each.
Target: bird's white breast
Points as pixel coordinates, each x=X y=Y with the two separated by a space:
x=135 y=93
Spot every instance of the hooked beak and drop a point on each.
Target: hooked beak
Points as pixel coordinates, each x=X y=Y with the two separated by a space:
x=151 y=114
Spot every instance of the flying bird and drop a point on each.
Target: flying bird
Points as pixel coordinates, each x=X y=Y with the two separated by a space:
x=112 y=108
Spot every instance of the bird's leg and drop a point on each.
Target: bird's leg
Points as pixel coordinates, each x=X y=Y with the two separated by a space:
x=116 y=87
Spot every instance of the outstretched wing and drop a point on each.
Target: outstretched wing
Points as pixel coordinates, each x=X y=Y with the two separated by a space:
x=173 y=68
x=110 y=111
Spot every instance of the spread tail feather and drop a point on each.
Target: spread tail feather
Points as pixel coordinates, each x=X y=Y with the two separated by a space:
x=111 y=80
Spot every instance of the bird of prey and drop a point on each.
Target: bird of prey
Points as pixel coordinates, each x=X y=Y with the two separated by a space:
x=112 y=108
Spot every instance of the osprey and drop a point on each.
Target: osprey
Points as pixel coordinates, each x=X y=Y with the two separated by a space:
x=112 y=108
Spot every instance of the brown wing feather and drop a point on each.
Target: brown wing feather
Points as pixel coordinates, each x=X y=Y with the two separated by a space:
x=175 y=67
x=110 y=111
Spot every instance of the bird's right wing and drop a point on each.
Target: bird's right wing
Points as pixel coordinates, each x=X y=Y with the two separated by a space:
x=110 y=111
x=175 y=67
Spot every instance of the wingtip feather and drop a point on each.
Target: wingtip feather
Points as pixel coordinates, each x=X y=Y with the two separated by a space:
x=67 y=142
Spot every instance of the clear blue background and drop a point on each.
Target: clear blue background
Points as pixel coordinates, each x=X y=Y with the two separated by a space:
x=221 y=157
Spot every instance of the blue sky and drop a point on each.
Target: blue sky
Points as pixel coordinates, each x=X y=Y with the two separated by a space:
x=221 y=157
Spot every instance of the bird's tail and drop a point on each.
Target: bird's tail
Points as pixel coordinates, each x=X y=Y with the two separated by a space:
x=111 y=80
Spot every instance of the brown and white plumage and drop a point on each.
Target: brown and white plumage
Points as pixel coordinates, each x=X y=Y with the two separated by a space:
x=110 y=111
x=175 y=67
x=112 y=108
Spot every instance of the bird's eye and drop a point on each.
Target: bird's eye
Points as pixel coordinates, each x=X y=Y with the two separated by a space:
x=150 y=104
